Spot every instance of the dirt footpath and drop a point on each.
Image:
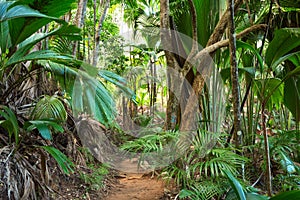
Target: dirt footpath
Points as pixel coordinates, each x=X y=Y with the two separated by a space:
x=137 y=187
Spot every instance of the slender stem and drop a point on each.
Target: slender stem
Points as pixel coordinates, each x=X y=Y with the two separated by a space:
x=267 y=150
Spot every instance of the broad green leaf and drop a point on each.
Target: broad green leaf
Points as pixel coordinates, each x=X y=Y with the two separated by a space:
x=294 y=73
x=245 y=45
x=63 y=161
x=295 y=59
x=43 y=130
x=289 y=195
x=236 y=186
x=254 y=196
x=285 y=40
x=185 y=193
x=4 y=30
x=40 y=55
x=292 y=96
x=18 y=56
x=270 y=89
x=22 y=28
x=43 y=127
x=23 y=11
x=287 y=164
x=292 y=57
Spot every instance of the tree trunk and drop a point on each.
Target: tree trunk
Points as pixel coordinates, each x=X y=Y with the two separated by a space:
x=79 y=19
x=234 y=76
x=99 y=29
x=267 y=151
x=172 y=102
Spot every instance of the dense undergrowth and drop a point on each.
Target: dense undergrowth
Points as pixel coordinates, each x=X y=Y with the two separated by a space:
x=50 y=86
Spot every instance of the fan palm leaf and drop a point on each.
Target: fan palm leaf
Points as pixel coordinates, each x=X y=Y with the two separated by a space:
x=49 y=107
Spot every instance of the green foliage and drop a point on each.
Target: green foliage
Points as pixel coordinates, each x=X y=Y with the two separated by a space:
x=22 y=28
x=292 y=96
x=63 y=161
x=290 y=3
x=10 y=123
x=218 y=160
x=49 y=107
x=149 y=142
x=235 y=185
x=241 y=194
x=21 y=19
x=200 y=172
x=254 y=196
x=285 y=40
x=96 y=177
x=208 y=15
x=290 y=195
x=44 y=127
x=281 y=49
x=204 y=190
x=270 y=90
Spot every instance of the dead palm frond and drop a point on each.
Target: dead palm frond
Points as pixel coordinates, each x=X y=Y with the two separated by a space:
x=17 y=176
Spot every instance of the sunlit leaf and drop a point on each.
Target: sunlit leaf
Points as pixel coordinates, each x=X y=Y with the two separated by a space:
x=285 y=40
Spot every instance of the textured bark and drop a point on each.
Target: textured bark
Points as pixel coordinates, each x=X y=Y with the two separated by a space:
x=172 y=103
x=222 y=25
x=234 y=76
x=184 y=67
x=80 y=14
x=224 y=43
x=79 y=19
x=97 y=34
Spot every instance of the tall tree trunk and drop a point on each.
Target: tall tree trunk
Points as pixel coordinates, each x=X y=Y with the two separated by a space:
x=234 y=75
x=97 y=34
x=79 y=19
x=172 y=102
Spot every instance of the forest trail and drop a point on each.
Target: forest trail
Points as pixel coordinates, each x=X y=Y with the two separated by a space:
x=137 y=186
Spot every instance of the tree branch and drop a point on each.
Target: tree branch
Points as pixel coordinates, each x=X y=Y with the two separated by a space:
x=222 y=24
x=212 y=48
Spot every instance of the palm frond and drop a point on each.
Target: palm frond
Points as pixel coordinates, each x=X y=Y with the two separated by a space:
x=62 y=45
x=22 y=28
x=289 y=3
x=205 y=190
x=10 y=123
x=86 y=89
x=49 y=107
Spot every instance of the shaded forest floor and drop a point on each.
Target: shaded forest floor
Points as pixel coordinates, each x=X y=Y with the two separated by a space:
x=137 y=187
x=117 y=185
